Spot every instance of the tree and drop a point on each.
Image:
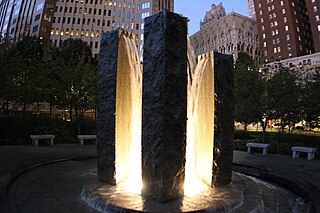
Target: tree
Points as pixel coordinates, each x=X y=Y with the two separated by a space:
x=23 y=70
x=284 y=94
x=77 y=72
x=311 y=102
x=248 y=91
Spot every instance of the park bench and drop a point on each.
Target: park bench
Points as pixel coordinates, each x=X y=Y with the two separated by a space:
x=36 y=138
x=258 y=145
x=86 y=137
x=297 y=149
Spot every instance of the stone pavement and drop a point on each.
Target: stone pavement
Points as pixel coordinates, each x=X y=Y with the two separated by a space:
x=21 y=170
x=15 y=160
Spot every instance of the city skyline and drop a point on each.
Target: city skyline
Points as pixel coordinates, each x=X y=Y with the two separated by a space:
x=196 y=12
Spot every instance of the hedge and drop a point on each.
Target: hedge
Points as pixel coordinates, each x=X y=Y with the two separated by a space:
x=280 y=143
x=16 y=129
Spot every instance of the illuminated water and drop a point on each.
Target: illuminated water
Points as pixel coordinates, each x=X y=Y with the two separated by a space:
x=128 y=115
x=200 y=124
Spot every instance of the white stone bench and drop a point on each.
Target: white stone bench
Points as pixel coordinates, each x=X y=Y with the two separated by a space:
x=264 y=146
x=86 y=137
x=36 y=138
x=297 y=149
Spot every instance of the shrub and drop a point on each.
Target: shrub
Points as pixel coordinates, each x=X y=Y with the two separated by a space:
x=16 y=129
x=280 y=143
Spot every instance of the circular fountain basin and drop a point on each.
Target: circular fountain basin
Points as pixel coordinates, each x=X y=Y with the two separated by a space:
x=245 y=194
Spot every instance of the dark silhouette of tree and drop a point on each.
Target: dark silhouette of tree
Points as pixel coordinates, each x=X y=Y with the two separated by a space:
x=284 y=94
x=248 y=91
x=311 y=102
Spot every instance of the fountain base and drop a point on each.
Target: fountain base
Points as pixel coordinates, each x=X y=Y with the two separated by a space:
x=244 y=194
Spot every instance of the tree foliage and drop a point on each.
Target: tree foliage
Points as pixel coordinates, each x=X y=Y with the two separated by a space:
x=77 y=77
x=284 y=94
x=311 y=102
x=66 y=77
x=248 y=91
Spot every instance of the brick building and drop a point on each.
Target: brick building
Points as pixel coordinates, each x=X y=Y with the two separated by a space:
x=313 y=7
x=285 y=29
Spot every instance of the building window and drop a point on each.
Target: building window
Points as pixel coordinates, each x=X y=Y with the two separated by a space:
x=40 y=6
x=37 y=17
x=317 y=18
x=319 y=27
x=315 y=8
x=286 y=28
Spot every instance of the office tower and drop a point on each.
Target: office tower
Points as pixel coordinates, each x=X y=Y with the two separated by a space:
x=19 y=18
x=54 y=21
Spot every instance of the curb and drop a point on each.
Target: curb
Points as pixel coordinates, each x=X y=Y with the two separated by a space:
x=289 y=181
x=8 y=179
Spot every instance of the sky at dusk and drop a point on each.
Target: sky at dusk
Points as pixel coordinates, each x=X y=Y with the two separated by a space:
x=196 y=9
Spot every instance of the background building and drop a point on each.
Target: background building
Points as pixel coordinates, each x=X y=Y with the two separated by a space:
x=229 y=34
x=251 y=10
x=284 y=29
x=19 y=18
x=214 y=14
x=313 y=8
x=57 y=20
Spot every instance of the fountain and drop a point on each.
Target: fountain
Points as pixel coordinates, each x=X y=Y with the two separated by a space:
x=145 y=137
x=165 y=136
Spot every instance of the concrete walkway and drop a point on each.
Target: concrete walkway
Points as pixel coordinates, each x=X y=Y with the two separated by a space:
x=15 y=160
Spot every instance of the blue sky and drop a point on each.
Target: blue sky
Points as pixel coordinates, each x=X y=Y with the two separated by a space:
x=196 y=9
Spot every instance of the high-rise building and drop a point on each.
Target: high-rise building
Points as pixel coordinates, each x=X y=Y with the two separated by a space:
x=287 y=29
x=19 y=18
x=229 y=34
x=57 y=20
x=313 y=7
x=251 y=10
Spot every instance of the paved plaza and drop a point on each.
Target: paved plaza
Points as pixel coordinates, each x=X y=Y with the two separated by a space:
x=41 y=179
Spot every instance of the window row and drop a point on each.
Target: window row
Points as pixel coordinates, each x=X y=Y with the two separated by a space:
x=92 y=33
x=91 y=43
x=82 y=21
x=106 y=2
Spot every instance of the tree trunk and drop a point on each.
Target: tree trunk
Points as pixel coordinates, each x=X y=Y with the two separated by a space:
x=70 y=113
x=245 y=126
x=264 y=127
x=24 y=108
x=50 y=108
x=282 y=126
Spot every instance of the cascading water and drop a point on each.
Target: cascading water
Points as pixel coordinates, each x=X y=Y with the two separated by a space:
x=200 y=124
x=128 y=116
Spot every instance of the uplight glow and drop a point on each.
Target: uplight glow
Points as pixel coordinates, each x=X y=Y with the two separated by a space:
x=128 y=117
x=200 y=125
